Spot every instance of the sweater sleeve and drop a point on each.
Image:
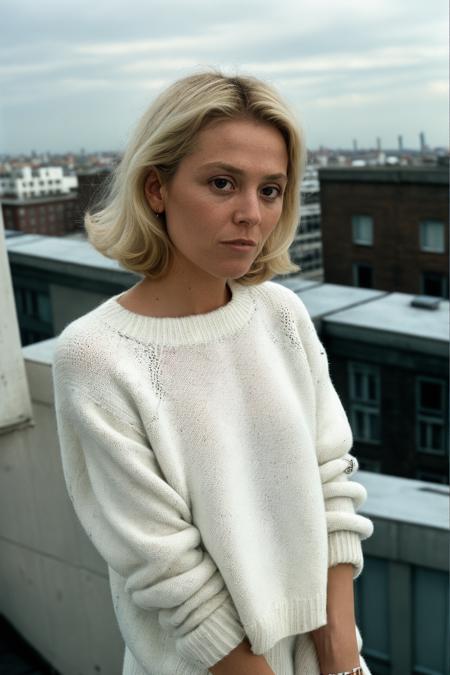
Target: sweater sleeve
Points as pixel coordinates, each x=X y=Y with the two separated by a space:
x=140 y=526
x=334 y=440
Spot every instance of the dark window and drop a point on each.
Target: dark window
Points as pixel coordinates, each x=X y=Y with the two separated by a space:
x=362 y=275
x=431 y=396
x=434 y=284
x=431 y=417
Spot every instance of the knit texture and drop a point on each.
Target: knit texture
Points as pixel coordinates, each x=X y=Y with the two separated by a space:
x=207 y=458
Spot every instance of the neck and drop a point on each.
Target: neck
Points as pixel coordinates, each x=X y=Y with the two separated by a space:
x=178 y=295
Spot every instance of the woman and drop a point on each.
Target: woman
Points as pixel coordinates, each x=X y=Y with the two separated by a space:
x=204 y=446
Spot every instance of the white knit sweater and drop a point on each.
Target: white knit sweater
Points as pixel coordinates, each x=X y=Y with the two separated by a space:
x=207 y=458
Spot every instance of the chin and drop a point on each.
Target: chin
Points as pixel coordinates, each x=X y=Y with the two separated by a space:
x=232 y=269
x=237 y=274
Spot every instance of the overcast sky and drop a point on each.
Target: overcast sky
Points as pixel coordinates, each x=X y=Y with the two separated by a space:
x=79 y=74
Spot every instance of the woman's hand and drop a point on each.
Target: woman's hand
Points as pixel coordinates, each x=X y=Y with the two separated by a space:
x=242 y=661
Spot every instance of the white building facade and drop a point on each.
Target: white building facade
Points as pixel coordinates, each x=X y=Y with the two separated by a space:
x=28 y=182
x=306 y=249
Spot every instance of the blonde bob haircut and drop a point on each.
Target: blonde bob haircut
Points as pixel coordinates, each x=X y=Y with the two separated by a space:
x=125 y=228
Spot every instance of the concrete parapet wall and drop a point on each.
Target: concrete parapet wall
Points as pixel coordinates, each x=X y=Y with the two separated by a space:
x=54 y=585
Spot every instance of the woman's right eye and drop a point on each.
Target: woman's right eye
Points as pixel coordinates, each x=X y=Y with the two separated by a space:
x=220 y=183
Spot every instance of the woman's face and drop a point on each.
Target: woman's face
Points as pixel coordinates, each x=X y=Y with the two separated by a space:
x=230 y=187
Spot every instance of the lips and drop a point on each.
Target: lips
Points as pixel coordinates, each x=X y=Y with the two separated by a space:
x=243 y=242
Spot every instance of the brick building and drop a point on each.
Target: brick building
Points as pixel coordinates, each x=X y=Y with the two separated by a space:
x=386 y=228
x=52 y=215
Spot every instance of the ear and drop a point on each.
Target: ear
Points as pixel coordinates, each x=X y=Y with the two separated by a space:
x=154 y=191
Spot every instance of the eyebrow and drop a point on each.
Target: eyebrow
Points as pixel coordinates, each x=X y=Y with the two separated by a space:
x=234 y=169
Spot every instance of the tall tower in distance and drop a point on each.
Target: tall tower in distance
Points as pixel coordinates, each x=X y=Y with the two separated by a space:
x=400 y=143
x=422 y=142
x=355 y=145
x=378 y=144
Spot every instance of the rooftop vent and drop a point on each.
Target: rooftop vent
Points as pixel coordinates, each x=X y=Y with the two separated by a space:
x=425 y=302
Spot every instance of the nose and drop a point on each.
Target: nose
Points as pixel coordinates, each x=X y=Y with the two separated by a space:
x=247 y=209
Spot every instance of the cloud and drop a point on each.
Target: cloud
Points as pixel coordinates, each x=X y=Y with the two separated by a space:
x=130 y=47
x=439 y=88
x=353 y=56
x=346 y=100
x=373 y=59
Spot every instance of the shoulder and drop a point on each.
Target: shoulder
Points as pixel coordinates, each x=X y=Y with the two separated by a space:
x=79 y=338
x=85 y=350
x=89 y=366
x=293 y=318
x=279 y=296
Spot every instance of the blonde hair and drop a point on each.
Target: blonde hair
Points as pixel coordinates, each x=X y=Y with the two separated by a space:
x=126 y=229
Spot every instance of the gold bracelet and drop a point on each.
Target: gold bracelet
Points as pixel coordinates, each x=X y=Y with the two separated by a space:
x=356 y=671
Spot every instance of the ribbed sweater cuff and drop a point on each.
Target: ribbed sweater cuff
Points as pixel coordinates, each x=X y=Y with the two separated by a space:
x=345 y=547
x=214 y=638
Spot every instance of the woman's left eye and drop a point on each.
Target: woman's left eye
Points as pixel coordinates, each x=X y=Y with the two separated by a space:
x=275 y=191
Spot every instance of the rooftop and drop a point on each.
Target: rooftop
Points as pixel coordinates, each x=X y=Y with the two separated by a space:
x=436 y=175
x=62 y=254
x=26 y=201
x=350 y=311
x=412 y=501
x=354 y=312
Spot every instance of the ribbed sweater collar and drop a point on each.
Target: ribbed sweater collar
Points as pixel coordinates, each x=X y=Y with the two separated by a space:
x=186 y=330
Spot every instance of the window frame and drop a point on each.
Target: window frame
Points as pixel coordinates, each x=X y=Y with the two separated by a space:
x=422 y=235
x=368 y=407
x=426 y=416
x=356 y=224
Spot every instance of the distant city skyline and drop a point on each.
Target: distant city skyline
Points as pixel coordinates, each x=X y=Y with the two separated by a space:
x=29 y=154
x=349 y=69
